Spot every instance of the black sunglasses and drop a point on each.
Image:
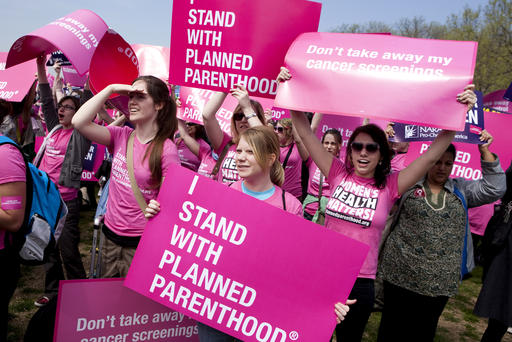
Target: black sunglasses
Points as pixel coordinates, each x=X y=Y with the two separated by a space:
x=370 y=147
x=238 y=116
x=279 y=129
x=191 y=124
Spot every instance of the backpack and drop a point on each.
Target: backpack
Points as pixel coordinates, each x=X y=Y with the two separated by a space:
x=45 y=214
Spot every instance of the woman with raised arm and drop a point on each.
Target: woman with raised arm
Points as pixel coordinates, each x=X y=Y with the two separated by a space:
x=426 y=254
x=293 y=153
x=141 y=157
x=12 y=212
x=363 y=192
x=248 y=113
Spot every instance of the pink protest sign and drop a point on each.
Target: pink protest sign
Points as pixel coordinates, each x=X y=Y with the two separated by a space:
x=217 y=44
x=77 y=35
x=467 y=159
x=280 y=113
x=241 y=265
x=193 y=101
x=96 y=310
x=379 y=76
x=92 y=162
x=153 y=60
x=15 y=82
x=496 y=101
x=344 y=124
x=113 y=62
x=72 y=77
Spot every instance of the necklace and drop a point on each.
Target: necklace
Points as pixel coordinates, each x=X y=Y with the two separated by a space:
x=429 y=196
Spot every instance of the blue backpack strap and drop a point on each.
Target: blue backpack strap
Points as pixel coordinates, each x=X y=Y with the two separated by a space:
x=464 y=263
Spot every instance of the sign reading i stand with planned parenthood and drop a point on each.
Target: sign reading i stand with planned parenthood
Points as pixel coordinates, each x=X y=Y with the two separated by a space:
x=217 y=44
x=241 y=265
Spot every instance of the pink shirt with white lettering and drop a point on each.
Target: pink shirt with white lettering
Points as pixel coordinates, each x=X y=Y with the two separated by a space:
x=314 y=186
x=124 y=216
x=207 y=162
x=359 y=210
x=187 y=158
x=12 y=169
x=228 y=172
x=293 y=205
x=292 y=170
x=52 y=160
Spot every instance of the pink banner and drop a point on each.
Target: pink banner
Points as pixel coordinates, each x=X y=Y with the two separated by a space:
x=379 y=76
x=467 y=160
x=15 y=82
x=496 y=101
x=193 y=101
x=280 y=113
x=153 y=60
x=217 y=44
x=241 y=265
x=77 y=35
x=113 y=62
x=104 y=310
x=71 y=76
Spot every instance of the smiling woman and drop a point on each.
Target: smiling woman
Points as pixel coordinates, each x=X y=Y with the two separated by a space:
x=135 y=181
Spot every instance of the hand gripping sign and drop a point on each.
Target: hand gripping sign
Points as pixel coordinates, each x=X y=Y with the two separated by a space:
x=471 y=133
x=77 y=35
x=15 y=82
x=217 y=44
x=193 y=101
x=379 y=76
x=95 y=310
x=241 y=265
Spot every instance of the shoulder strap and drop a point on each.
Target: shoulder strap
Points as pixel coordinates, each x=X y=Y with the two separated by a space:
x=39 y=155
x=290 y=149
x=222 y=155
x=320 y=187
x=283 y=193
x=131 y=174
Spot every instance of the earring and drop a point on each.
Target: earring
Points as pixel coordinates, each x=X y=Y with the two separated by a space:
x=380 y=162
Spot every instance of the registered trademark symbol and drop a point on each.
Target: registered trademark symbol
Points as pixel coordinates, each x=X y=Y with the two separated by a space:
x=294 y=336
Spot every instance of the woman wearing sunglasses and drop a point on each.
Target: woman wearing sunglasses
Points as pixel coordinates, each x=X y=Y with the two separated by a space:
x=248 y=113
x=293 y=153
x=363 y=192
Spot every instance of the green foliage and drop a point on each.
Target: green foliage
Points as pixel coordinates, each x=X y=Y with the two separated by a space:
x=491 y=27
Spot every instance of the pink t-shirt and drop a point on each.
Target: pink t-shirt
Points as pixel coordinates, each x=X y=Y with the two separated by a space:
x=207 y=162
x=314 y=186
x=398 y=162
x=228 y=172
x=12 y=169
x=187 y=158
x=52 y=160
x=293 y=206
x=479 y=217
x=358 y=209
x=292 y=171
x=124 y=216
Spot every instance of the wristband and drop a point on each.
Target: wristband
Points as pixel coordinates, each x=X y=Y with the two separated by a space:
x=252 y=115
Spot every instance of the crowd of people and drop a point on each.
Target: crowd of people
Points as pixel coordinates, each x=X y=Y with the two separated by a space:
x=421 y=258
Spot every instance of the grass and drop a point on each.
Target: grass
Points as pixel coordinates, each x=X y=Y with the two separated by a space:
x=456 y=324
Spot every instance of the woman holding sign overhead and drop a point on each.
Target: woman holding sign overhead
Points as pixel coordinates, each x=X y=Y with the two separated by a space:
x=248 y=113
x=141 y=157
x=363 y=192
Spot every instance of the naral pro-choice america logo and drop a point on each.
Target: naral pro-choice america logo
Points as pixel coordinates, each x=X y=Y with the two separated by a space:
x=411 y=131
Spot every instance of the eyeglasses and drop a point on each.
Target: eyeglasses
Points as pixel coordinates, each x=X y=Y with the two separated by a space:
x=238 y=116
x=191 y=124
x=279 y=129
x=66 y=107
x=370 y=147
